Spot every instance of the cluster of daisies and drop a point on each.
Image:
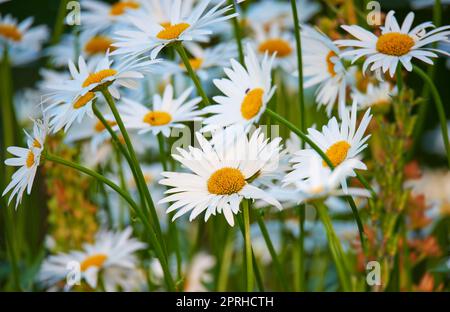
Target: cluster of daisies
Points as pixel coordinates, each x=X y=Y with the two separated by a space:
x=126 y=53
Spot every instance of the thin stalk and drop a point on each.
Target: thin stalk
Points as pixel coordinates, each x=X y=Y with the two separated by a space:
x=182 y=52
x=248 y=246
x=335 y=247
x=59 y=23
x=301 y=245
x=301 y=97
x=8 y=126
x=225 y=262
x=439 y=107
x=237 y=31
x=423 y=109
x=272 y=251
x=122 y=149
x=135 y=164
x=162 y=153
x=314 y=146
x=399 y=80
x=130 y=201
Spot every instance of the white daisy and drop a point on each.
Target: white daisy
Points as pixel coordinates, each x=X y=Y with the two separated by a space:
x=323 y=66
x=72 y=99
x=198 y=273
x=319 y=181
x=268 y=12
x=278 y=42
x=28 y=160
x=395 y=44
x=222 y=175
x=112 y=257
x=153 y=36
x=166 y=112
x=23 y=42
x=342 y=144
x=89 y=46
x=376 y=96
x=100 y=17
x=246 y=93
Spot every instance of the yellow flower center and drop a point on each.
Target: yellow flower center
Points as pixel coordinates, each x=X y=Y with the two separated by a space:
x=281 y=46
x=10 y=32
x=99 y=76
x=196 y=63
x=120 y=7
x=36 y=144
x=171 y=32
x=337 y=153
x=396 y=44
x=157 y=118
x=99 y=126
x=98 y=45
x=252 y=103
x=330 y=63
x=83 y=100
x=226 y=181
x=96 y=260
x=30 y=159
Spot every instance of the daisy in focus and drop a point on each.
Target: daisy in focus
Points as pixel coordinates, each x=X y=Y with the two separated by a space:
x=23 y=42
x=112 y=258
x=246 y=93
x=28 y=159
x=395 y=44
x=222 y=176
x=342 y=144
x=72 y=99
x=323 y=67
x=152 y=36
x=166 y=112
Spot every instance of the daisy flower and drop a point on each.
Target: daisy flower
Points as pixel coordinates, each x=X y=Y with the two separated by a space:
x=166 y=112
x=22 y=41
x=222 y=175
x=100 y=17
x=198 y=273
x=395 y=44
x=112 y=257
x=268 y=12
x=72 y=99
x=318 y=181
x=90 y=46
x=323 y=66
x=28 y=160
x=153 y=36
x=341 y=143
x=277 y=42
x=376 y=95
x=246 y=93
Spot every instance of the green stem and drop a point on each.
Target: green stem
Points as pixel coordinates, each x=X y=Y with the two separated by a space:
x=182 y=52
x=301 y=245
x=248 y=245
x=399 y=80
x=237 y=31
x=272 y=251
x=335 y=247
x=301 y=98
x=135 y=164
x=439 y=107
x=225 y=263
x=122 y=149
x=162 y=153
x=130 y=201
x=322 y=154
x=59 y=23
